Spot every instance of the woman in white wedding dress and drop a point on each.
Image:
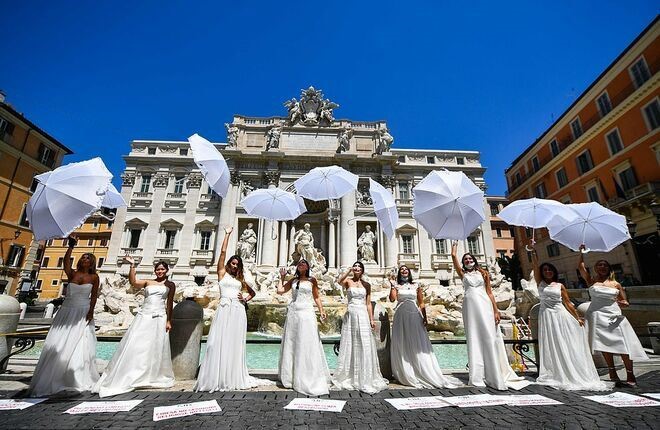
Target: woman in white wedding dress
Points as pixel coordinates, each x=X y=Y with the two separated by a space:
x=302 y=366
x=357 y=365
x=609 y=331
x=68 y=358
x=143 y=358
x=565 y=360
x=487 y=358
x=224 y=366
x=411 y=352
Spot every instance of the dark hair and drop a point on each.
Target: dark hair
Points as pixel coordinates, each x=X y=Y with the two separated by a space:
x=239 y=271
x=555 y=274
x=610 y=273
x=400 y=279
x=161 y=263
x=302 y=260
x=359 y=263
x=476 y=263
x=92 y=264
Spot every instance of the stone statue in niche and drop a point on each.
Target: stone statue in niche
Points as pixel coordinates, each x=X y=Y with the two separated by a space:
x=366 y=243
x=385 y=140
x=247 y=243
x=273 y=137
x=232 y=135
x=304 y=240
x=345 y=139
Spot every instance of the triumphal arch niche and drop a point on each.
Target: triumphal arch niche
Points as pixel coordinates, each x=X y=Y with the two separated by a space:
x=275 y=151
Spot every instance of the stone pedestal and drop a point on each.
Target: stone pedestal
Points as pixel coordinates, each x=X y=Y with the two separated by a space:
x=382 y=336
x=654 y=331
x=10 y=311
x=186 y=339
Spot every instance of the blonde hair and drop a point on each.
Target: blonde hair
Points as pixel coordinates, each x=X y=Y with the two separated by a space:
x=92 y=264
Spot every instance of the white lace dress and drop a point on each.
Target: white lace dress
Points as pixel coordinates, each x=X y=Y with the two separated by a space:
x=411 y=352
x=609 y=331
x=224 y=366
x=303 y=366
x=486 y=353
x=565 y=359
x=68 y=358
x=143 y=358
x=358 y=367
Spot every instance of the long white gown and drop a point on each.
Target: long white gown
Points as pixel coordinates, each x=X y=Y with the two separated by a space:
x=302 y=360
x=411 y=352
x=609 y=331
x=68 y=358
x=486 y=353
x=224 y=366
x=143 y=358
x=565 y=359
x=358 y=367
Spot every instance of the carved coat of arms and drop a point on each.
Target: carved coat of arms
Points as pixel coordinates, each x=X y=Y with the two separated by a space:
x=312 y=109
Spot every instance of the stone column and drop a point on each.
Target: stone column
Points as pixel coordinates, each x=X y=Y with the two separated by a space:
x=268 y=245
x=332 y=246
x=283 y=245
x=324 y=238
x=188 y=241
x=348 y=233
x=292 y=242
x=390 y=246
x=227 y=215
x=116 y=237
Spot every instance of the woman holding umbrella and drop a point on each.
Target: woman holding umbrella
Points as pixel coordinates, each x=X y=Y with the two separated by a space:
x=565 y=361
x=486 y=353
x=302 y=360
x=609 y=331
x=224 y=367
x=411 y=354
x=68 y=359
x=143 y=358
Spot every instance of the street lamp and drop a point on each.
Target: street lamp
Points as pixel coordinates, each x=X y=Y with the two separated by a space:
x=632 y=227
x=655 y=210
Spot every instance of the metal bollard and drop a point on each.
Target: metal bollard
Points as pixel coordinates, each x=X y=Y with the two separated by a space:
x=10 y=312
x=382 y=336
x=654 y=331
x=50 y=308
x=23 y=306
x=186 y=339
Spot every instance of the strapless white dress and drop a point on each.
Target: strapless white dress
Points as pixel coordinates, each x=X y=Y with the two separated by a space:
x=68 y=358
x=143 y=358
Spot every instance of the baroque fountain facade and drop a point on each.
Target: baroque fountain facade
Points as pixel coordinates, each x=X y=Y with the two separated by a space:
x=173 y=216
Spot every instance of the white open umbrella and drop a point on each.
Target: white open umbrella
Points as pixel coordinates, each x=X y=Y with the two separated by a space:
x=594 y=226
x=273 y=204
x=112 y=198
x=326 y=183
x=212 y=164
x=535 y=213
x=384 y=207
x=448 y=205
x=66 y=197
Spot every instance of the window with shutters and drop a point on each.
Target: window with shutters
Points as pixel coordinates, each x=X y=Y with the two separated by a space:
x=640 y=72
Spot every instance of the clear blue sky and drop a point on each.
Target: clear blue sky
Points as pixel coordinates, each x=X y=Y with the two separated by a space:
x=489 y=76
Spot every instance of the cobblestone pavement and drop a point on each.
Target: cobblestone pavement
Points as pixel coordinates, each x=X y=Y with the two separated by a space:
x=264 y=409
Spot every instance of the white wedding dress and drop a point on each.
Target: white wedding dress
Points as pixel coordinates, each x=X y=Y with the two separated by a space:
x=411 y=352
x=224 y=366
x=358 y=367
x=609 y=331
x=68 y=358
x=302 y=360
x=486 y=353
x=143 y=358
x=565 y=360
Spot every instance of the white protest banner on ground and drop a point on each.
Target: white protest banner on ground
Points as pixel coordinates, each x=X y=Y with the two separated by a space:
x=324 y=405
x=518 y=385
x=652 y=395
x=528 y=400
x=9 y=404
x=185 y=409
x=408 y=403
x=98 y=407
x=623 y=400
x=474 y=400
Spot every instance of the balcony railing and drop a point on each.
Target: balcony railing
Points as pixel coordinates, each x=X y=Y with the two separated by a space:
x=438 y=260
x=209 y=200
x=409 y=259
x=647 y=189
x=175 y=200
x=131 y=251
x=587 y=124
x=140 y=199
x=203 y=256
x=167 y=251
